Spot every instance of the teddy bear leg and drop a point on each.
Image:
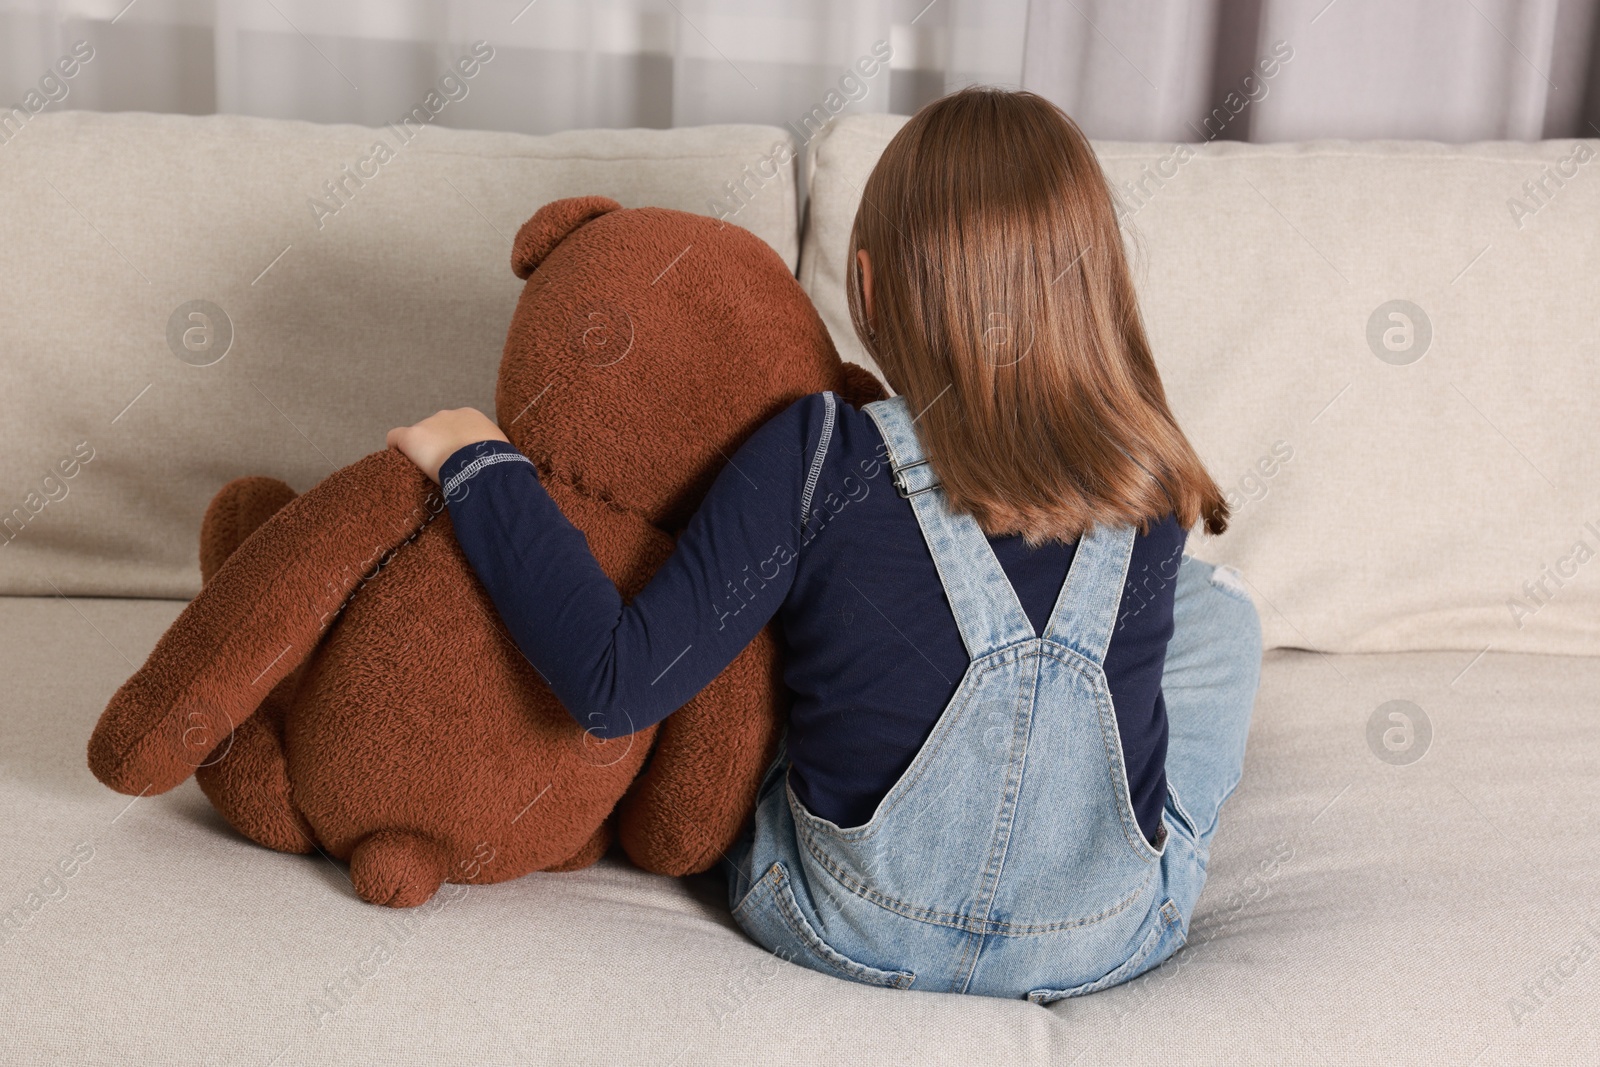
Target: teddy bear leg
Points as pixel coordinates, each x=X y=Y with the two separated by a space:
x=591 y=852
x=234 y=513
x=397 y=868
x=247 y=781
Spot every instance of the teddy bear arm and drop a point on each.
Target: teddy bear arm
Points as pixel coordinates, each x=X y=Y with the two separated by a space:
x=256 y=619
x=688 y=806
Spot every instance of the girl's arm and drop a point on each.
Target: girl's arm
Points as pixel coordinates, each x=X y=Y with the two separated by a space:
x=618 y=668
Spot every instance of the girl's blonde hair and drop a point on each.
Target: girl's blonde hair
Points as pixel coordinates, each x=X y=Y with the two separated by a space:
x=1004 y=312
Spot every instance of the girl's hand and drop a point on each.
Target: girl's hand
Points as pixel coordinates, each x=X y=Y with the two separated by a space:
x=430 y=442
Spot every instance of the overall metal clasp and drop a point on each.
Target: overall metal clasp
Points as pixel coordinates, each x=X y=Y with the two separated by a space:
x=900 y=482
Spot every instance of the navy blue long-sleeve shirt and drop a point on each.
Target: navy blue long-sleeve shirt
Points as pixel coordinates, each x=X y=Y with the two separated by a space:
x=871 y=651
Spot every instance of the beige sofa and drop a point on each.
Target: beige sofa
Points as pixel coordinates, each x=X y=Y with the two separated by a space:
x=1405 y=874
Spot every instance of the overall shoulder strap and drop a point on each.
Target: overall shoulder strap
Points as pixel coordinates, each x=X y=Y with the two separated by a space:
x=985 y=605
x=1085 y=612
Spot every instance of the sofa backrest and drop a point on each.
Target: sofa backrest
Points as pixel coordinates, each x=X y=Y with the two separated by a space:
x=346 y=288
x=1385 y=352
x=1421 y=481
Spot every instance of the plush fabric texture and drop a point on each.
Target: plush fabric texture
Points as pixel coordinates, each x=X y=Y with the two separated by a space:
x=343 y=324
x=342 y=683
x=1445 y=502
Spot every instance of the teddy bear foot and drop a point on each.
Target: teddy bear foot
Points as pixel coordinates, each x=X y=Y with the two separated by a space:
x=235 y=513
x=397 y=869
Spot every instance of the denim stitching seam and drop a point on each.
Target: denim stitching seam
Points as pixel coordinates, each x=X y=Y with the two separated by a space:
x=1112 y=741
x=937 y=917
x=937 y=739
x=1117 y=973
x=1016 y=768
x=789 y=912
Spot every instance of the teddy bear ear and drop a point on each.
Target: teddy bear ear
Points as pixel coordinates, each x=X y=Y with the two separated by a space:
x=550 y=226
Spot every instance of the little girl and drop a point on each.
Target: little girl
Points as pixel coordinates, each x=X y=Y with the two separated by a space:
x=1017 y=706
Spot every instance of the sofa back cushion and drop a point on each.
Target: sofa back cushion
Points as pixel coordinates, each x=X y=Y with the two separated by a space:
x=187 y=300
x=1385 y=352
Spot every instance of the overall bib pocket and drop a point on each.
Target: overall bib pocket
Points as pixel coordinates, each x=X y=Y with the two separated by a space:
x=1167 y=918
x=770 y=914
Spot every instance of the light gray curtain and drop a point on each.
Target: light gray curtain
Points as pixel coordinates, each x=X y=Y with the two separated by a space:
x=1170 y=70
x=1283 y=70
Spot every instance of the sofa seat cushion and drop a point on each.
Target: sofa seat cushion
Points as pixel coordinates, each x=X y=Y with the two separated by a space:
x=1361 y=908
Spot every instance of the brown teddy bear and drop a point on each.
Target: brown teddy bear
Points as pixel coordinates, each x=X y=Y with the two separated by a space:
x=342 y=681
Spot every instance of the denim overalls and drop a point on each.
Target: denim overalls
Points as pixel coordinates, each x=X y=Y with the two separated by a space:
x=1006 y=861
